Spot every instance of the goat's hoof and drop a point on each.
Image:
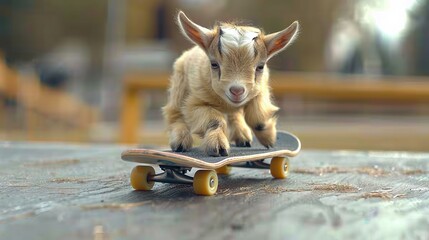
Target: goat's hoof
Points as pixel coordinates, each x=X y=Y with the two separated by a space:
x=223 y=152
x=180 y=141
x=243 y=143
x=216 y=152
x=267 y=139
x=179 y=148
x=269 y=146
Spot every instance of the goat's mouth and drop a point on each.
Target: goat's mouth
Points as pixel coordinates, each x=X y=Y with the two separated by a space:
x=237 y=100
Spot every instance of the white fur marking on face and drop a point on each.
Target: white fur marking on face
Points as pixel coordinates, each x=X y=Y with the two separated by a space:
x=233 y=38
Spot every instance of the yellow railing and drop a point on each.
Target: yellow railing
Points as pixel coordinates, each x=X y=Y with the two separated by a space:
x=308 y=86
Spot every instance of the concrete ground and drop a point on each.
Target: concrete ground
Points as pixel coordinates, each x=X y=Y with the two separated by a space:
x=64 y=191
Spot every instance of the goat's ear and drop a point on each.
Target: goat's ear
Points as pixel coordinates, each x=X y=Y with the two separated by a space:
x=277 y=42
x=197 y=34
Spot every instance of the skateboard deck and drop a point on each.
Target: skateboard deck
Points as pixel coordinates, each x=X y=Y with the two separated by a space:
x=175 y=165
x=287 y=145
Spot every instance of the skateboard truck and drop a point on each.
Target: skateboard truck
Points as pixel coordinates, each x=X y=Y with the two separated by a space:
x=205 y=182
x=177 y=175
x=172 y=174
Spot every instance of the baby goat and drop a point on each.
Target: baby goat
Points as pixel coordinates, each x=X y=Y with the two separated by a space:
x=220 y=87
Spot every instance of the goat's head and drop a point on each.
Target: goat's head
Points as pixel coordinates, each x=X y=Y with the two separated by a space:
x=237 y=55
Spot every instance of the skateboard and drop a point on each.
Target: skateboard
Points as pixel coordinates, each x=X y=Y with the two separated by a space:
x=176 y=165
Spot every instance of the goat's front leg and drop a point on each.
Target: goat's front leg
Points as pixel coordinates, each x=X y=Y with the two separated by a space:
x=180 y=136
x=260 y=115
x=238 y=129
x=210 y=124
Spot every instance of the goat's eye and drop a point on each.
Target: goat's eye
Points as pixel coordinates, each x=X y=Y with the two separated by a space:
x=260 y=68
x=215 y=65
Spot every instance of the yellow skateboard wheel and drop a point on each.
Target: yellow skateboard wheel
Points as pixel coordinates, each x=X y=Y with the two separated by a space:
x=139 y=178
x=224 y=170
x=279 y=167
x=205 y=182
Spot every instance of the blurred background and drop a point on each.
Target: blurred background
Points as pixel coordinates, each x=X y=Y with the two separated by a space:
x=97 y=71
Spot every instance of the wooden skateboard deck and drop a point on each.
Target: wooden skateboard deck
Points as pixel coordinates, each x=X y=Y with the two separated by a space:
x=287 y=145
x=205 y=182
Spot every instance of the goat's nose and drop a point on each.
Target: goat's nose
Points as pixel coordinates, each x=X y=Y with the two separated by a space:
x=237 y=90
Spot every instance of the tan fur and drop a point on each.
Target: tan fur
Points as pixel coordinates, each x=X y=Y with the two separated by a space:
x=239 y=131
x=198 y=101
